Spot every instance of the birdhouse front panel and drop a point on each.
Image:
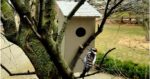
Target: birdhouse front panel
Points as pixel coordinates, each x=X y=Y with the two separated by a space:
x=77 y=32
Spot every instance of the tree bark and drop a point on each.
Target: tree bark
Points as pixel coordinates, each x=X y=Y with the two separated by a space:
x=40 y=47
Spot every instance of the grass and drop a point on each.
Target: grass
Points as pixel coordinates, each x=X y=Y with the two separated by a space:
x=126 y=69
x=129 y=41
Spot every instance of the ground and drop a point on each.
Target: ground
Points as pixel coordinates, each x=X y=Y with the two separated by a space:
x=101 y=76
x=14 y=60
x=129 y=40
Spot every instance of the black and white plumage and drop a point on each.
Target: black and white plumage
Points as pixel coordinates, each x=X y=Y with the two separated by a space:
x=89 y=61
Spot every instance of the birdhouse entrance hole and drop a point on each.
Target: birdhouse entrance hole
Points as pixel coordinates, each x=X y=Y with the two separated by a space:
x=80 y=32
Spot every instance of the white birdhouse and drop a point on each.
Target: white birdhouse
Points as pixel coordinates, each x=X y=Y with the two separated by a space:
x=79 y=28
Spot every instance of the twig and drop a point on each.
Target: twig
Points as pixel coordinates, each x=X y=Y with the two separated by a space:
x=16 y=74
x=32 y=27
x=6 y=47
x=105 y=56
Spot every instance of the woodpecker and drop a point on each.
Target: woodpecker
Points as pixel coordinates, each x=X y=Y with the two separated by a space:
x=89 y=61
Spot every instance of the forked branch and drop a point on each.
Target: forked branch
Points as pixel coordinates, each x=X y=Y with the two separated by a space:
x=17 y=74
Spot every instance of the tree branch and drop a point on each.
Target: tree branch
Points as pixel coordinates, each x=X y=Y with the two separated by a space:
x=96 y=72
x=17 y=74
x=115 y=6
x=32 y=27
x=8 y=20
x=106 y=7
x=56 y=57
x=101 y=62
x=40 y=14
x=21 y=8
x=93 y=36
x=6 y=47
x=80 y=3
x=25 y=15
x=46 y=17
x=108 y=14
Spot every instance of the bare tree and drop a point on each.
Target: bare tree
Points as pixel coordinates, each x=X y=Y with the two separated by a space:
x=36 y=34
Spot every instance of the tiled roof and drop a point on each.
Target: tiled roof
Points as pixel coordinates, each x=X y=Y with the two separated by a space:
x=86 y=10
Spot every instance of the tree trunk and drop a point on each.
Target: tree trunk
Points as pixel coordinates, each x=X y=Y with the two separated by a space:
x=43 y=53
x=37 y=54
x=122 y=19
x=147 y=29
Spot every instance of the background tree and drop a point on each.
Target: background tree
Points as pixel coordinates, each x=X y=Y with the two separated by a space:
x=136 y=9
x=35 y=34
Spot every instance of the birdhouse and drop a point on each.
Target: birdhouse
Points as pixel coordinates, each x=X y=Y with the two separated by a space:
x=78 y=30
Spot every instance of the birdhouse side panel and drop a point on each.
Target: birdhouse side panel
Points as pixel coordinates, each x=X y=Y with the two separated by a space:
x=60 y=18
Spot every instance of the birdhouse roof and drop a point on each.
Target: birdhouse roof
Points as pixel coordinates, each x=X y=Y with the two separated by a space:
x=86 y=10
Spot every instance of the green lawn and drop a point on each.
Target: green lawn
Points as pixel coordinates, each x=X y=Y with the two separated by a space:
x=129 y=41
